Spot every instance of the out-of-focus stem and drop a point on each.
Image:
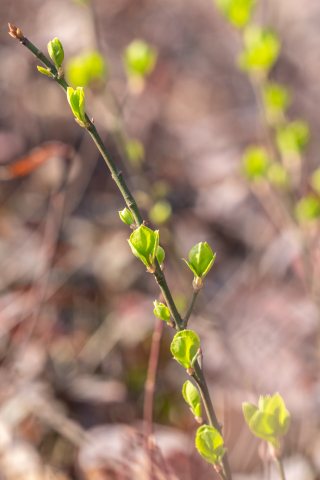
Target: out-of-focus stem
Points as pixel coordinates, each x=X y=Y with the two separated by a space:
x=280 y=468
x=151 y=377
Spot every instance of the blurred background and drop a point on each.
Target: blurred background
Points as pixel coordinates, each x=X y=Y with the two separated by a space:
x=210 y=157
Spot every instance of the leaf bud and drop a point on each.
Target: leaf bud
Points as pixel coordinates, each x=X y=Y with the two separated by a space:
x=160 y=254
x=77 y=103
x=200 y=262
x=161 y=311
x=56 y=52
x=126 y=216
x=144 y=244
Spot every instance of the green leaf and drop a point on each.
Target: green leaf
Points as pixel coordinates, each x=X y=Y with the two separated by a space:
x=85 y=69
x=126 y=216
x=76 y=101
x=160 y=212
x=184 y=347
x=210 y=445
x=308 y=208
x=276 y=99
x=277 y=175
x=248 y=411
x=277 y=408
x=209 y=267
x=292 y=138
x=191 y=395
x=315 y=180
x=45 y=71
x=255 y=162
x=139 y=59
x=191 y=267
x=200 y=257
x=263 y=425
x=160 y=255
x=270 y=421
x=143 y=242
x=262 y=47
x=161 y=311
x=238 y=12
x=56 y=52
x=135 y=151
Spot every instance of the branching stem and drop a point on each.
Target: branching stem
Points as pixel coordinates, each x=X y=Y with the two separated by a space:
x=159 y=275
x=117 y=177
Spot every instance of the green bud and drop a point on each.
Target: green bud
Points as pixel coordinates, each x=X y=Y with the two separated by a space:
x=262 y=47
x=255 y=162
x=139 y=59
x=184 y=347
x=56 y=52
x=201 y=260
x=160 y=255
x=161 y=311
x=292 y=138
x=237 y=12
x=45 y=71
x=307 y=209
x=87 y=68
x=209 y=443
x=77 y=103
x=144 y=244
x=126 y=216
x=191 y=395
x=270 y=420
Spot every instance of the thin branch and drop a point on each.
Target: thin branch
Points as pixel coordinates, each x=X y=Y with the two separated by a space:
x=199 y=378
x=190 y=309
x=115 y=173
x=280 y=468
x=151 y=377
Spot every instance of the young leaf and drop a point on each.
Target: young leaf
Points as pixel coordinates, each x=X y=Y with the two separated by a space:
x=277 y=175
x=238 y=12
x=135 y=151
x=276 y=99
x=86 y=69
x=56 y=52
x=143 y=242
x=161 y=311
x=45 y=71
x=262 y=47
x=270 y=420
x=160 y=212
x=255 y=162
x=139 y=59
x=126 y=216
x=210 y=445
x=201 y=257
x=293 y=138
x=307 y=209
x=77 y=102
x=160 y=255
x=191 y=395
x=248 y=411
x=184 y=347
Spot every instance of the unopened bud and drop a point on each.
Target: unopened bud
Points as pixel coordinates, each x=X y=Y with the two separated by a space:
x=190 y=371
x=197 y=284
x=127 y=217
x=15 y=32
x=152 y=268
